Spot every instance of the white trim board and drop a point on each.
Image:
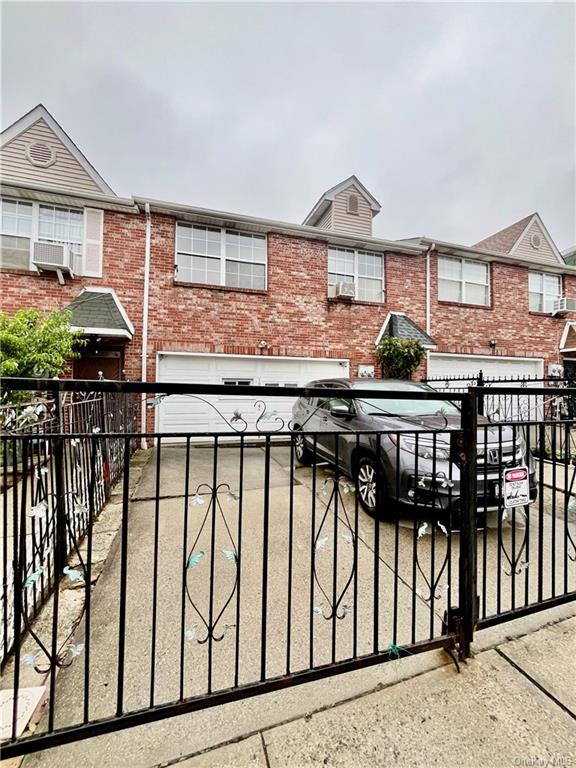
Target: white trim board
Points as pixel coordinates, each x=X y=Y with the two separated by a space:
x=223 y=355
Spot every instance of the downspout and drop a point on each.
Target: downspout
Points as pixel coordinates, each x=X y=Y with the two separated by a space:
x=144 y=374
x=428 y=318
x=431 y=247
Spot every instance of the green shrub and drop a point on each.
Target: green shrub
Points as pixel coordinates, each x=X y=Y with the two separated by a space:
x=399 y=358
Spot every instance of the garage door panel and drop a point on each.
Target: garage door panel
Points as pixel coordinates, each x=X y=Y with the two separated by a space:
x=189 y=414
x=470 y=365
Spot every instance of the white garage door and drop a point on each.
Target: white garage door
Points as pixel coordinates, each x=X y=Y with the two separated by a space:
x=501 y=407
x=470 y=365
x=189 y=414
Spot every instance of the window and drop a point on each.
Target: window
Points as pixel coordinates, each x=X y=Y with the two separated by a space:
x=363 y=268
x=220 y=257
x=237 y=382
x=16 y=218
x=543 y=290
x=60 y=225
x=463 y=281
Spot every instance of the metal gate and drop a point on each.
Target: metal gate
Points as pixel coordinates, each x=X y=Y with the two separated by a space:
x=237 y=569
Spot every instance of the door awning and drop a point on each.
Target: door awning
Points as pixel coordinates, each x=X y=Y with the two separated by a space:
x=400 y=326
x=99 y=312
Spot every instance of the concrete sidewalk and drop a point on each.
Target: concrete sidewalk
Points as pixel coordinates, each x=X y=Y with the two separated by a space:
x=513 y=704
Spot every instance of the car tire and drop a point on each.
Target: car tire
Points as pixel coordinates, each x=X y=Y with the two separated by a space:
x=370 y=486
x=303 y=454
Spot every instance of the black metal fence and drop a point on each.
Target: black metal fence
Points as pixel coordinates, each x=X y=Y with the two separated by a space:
x=39 y=472
x=372 y=525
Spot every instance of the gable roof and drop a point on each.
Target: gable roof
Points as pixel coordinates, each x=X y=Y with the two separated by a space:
x=100 y=311
x=400 y=326
x=41 y=114
x=569 y=255
x=328 y=197
x=509 y=239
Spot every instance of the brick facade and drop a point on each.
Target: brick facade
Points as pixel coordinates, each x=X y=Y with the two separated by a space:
x=294 y=316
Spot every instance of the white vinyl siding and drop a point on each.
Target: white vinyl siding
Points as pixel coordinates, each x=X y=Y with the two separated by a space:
x=543 y=290
x=214 y=256
x=363 y=268
x=65 y=173
x=463 y=281
x=359 y=222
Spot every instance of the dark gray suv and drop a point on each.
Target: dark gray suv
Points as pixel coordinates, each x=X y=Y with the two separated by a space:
x=415 y=465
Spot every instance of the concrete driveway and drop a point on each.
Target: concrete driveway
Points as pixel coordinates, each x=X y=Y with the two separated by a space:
x=273 y=614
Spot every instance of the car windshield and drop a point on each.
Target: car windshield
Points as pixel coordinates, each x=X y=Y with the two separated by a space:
x=391 y=405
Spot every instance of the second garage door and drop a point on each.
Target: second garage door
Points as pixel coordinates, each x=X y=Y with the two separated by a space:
x=470 y=365
x=190 y=414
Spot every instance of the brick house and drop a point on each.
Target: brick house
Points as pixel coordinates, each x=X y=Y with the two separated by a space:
x=174 y=292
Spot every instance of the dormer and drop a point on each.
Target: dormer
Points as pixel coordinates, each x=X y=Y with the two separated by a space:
x=348 y=207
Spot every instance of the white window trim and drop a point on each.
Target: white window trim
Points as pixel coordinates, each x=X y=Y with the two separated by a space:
x=355 y=274
x=35 y=229
x=223 y=258
x=542 y=293
x=463 y=281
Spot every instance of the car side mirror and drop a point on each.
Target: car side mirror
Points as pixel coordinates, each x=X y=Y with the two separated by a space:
x=342 y=411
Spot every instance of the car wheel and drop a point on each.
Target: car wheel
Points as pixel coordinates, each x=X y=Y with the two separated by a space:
x=303 y=454
x=370 y=484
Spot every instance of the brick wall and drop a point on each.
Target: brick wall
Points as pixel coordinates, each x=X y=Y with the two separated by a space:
x=123 y=270
x=518 y=332
x=295 y=316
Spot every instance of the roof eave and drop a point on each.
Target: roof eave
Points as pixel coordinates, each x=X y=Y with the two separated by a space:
x=14 y=187
x=222 y=218
x=471 y=252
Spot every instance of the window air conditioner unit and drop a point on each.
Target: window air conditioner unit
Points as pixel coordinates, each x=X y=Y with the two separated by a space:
x=54 y=257
x=563 y=305
x=345 y=290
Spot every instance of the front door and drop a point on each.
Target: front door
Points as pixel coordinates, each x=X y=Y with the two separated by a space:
x=103 y=363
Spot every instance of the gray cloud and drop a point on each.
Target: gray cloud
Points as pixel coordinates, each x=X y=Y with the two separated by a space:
x=460 y=118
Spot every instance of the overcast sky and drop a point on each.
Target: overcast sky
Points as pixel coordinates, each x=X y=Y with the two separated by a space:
x=459 y=118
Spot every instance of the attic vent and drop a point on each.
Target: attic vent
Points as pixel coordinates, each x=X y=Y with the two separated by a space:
x=40 y=154
x=536 y=241
x=353 y=204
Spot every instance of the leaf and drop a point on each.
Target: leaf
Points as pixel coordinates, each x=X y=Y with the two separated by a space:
x=422 y=530
x=319 y=610
x=192 y=633
x=230 y=554
x=348 y=538
x=347 y=608
x=197 y=500
x=72 y=574
x=321 y=543
x=236 y=417
x=442 y=528
x=194 y=560
x=34 y=576
x=96 y=430
x=38 y=511
x=77 y=649
x=80 y=510
x=232 y=496
x=30 y=658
